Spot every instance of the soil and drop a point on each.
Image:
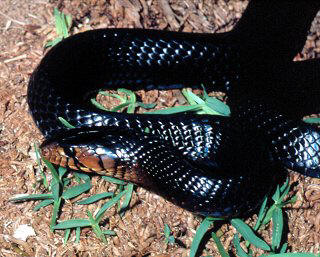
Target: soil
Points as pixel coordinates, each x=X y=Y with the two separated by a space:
x=25 y=27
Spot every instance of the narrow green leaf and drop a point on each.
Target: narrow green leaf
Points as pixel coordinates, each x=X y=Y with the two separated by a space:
x=290 y=201
x=95 y=198
x=42 y=204
x=276 y=195
x=52 y=170
x=261 y=214
x=81 y=175
x=201 y=231
x=269 y=214
x=284 y=186
x=312 y=120
x=56 y=209
x=98 y=105
x=66 y=236
x=218 y=106
x=58 y=21
x=127 y=199
x=76 y=190
x=122 y=99
x=220 y=247
x=146 y=106
x=73 y=224
x=239 y=249
x=284 y=248
x=96 y=228
x=191 y=97
x=53 y=42
x=78 y=231
x=65 y=123
x=109 y=232
x=120 y=107
x=167 y=230
x=277 y=227
x=108 y=204
x=248 y=234
x=34 y=197
x=177 y=109
x=62 y=171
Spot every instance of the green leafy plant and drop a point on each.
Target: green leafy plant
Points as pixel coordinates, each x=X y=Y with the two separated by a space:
x=63 y=24
x=169 y=238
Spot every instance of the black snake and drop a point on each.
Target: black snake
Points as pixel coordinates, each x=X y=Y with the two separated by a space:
x=211 y=165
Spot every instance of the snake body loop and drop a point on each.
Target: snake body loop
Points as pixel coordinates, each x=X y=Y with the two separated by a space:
x=211 y=165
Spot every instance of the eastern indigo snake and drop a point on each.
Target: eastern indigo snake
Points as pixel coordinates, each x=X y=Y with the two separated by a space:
x=211 y=165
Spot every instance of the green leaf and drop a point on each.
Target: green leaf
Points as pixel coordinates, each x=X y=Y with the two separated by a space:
x=76 y=190
x=53 y=42
x=177 y=109
x=276 y=195
x=201 y=231
x=52 y=170
x=66 y=236
x=127 y=199
x=261 y=214
x=73 y=224
x=65 y=123
x=277 y=220
x=284 y=248
x=218 y=106
x=109 y=232
x=95 y=198
x=56 y=209
x=63 y=22
x=34 y=197
x=167 y=230
x=239 y=249
x=220 y=247
x=108 y=204
x=96 y=228
x=191 y=97
x=248 y=234
x=312 y=120
x=98 y=105
x=146 y=106
x=44 y=203
x=78 y=230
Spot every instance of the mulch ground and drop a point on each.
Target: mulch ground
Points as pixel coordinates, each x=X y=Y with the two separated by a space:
x=25 y=26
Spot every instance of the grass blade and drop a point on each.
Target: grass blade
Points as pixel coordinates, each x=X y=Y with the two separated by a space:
x=127 y=199
x=76 y=190
x=44 y=203
x=277 y=227
x=108 y=204
x=95 y=198
x=220 y=247
x=240 y=251
x=34 y=197
x=73 y=224
x=201 y=231
x=248 y=234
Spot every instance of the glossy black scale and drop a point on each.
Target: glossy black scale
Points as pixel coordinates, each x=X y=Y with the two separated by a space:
x=211 y=165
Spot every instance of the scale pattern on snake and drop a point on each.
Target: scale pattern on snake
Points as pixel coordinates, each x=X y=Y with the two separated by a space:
x=210 y=165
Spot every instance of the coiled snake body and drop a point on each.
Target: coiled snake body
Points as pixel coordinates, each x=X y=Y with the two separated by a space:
x=218 y=166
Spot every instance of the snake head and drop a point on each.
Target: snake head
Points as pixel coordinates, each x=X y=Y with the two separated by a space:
x=95 y=151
